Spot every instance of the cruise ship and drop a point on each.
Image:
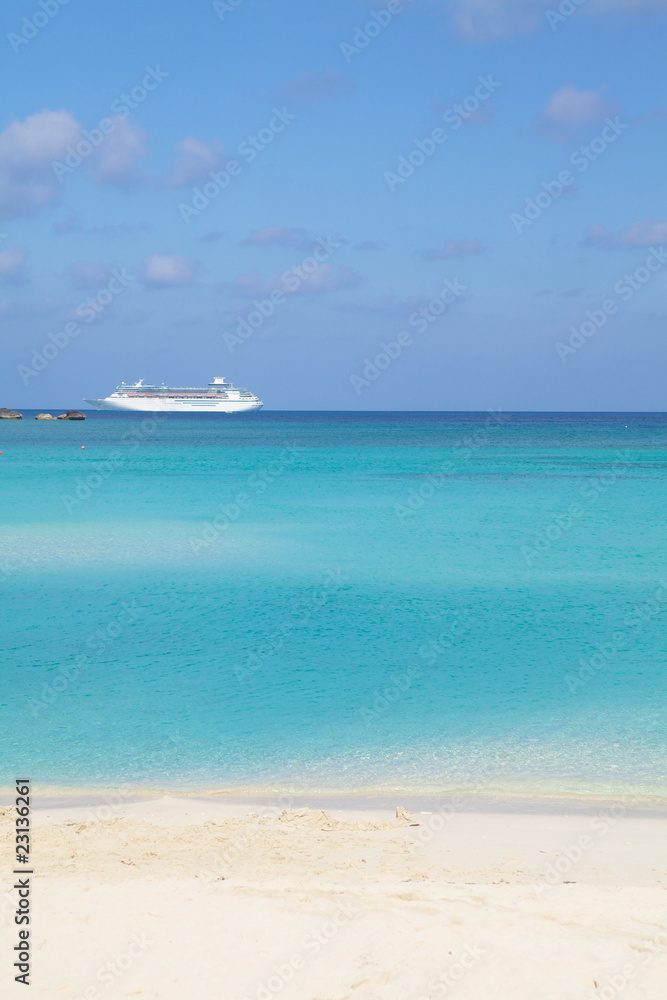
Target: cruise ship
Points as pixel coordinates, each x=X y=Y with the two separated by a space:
x=219 y=396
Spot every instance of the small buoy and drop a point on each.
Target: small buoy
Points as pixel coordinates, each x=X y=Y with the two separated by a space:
x=82 y=446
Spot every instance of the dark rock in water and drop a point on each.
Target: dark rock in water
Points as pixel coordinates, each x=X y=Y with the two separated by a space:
x=45 y=416
x=72 y=415
x=6 y=414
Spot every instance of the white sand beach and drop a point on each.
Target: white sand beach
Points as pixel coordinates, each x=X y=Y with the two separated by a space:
x=175 y=898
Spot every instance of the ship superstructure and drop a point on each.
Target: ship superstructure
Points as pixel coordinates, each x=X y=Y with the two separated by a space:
x=220 y=396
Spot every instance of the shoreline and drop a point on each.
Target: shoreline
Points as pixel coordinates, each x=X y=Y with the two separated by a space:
x=452 y=800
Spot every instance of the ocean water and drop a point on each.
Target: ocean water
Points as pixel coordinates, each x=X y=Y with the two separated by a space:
x=336 y=602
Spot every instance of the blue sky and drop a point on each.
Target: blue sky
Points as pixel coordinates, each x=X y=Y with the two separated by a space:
x=318 y=215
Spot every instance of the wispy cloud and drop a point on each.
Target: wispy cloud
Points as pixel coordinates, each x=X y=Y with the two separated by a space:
x=12 y=265
x=324 y=278
x=286 y=237
x=367 y=245
x=87 y=274
x=19 y=309
x=196 y=161
x=275 y=236
x=384 y=305
x=315 y=87
x=643 y=233
x=490 y=20
x=70 y=224
x=452 y=248
x=327 y=278
x=213 y=236
x=121 y=229
x=167 y=271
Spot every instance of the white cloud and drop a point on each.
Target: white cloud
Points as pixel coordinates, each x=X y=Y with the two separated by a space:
x=569 y=106
x=197 y=161
x=570 y=111
x=116 y=160
x=30 y=149
x=12 y=262
x=27 y=150
x=165 y=271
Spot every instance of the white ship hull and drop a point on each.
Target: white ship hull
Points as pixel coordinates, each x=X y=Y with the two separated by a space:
x=220 y=396
x=157 y=405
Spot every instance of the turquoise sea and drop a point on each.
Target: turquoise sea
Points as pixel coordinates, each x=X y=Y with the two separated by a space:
x=336 y=601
